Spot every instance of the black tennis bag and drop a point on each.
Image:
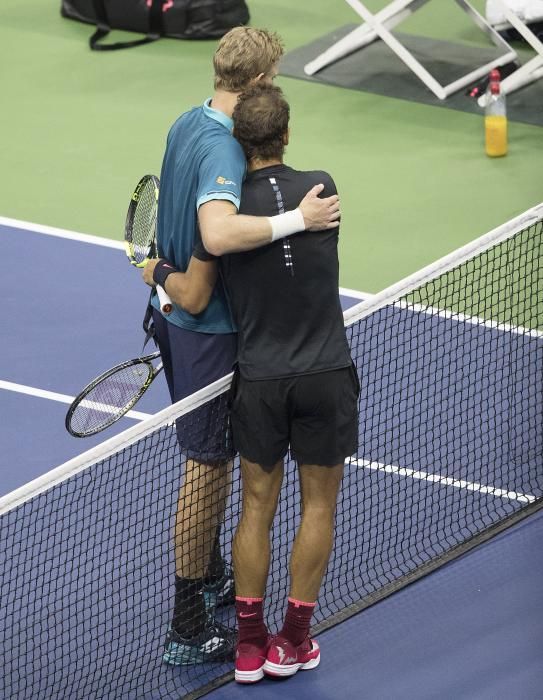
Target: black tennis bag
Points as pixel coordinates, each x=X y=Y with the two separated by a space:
x=180 y=19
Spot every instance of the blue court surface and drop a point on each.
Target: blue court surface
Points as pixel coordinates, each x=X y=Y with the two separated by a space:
x=73 y=309
x=473 y=629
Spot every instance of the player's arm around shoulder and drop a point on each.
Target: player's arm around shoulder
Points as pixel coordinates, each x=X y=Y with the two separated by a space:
x=320 y=206
x=321 y=176
x=324 y=190
x=220 y=176
x=226 y=231
x=329 y=189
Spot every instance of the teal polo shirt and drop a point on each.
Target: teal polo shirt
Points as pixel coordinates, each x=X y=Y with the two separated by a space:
x=202 y=162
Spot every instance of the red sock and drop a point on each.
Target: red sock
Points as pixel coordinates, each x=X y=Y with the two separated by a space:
x=297 y=620
x=250 y=616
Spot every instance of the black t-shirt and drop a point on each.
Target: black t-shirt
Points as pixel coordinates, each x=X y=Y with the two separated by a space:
x=284 y=296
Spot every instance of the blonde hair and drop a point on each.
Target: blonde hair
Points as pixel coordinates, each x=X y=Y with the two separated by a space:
x=243 y=54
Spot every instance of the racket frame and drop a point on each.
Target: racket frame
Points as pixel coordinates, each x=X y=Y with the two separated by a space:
x=83 y=394
x=165 y=301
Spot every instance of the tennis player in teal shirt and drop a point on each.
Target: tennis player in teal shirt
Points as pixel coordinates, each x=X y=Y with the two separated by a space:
x=203 y=163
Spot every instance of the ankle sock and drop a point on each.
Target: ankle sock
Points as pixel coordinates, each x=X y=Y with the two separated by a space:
x=250 y=616
x=189 y=614
x=297 y=621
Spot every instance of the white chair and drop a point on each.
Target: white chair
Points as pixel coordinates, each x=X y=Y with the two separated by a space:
x=530 y=71
x=378 y=27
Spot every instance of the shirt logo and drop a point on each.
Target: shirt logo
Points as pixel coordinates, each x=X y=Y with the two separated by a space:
x=223 y=181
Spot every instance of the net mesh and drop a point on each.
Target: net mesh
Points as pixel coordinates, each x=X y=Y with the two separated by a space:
x=450 y=447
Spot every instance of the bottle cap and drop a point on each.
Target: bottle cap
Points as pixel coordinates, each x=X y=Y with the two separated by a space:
x=495 y=74
x=494 y=88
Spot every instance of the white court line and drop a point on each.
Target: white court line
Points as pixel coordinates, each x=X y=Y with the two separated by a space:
x=61 y=233
x=108 y=243
x=62 y=398
x=441 y=480
x=354 y=293
x=473 y=320
x=449 y=315
x=101 y=452
x=111 y=243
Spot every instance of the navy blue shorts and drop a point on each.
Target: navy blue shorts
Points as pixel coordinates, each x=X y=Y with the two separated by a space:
x=192 y=361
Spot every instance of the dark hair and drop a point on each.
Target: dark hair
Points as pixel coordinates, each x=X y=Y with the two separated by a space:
x=261 y=120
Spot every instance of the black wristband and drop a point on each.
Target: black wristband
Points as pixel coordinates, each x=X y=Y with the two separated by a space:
x=163 y=268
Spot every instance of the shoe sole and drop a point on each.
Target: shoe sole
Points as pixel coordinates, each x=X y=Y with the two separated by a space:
x=178 y=660
x=172 y=660
x=279 y=671
x=184 y=660
x=189 y=659
x=249 y=676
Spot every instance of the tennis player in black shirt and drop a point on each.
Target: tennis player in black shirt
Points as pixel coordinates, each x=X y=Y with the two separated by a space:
x=295 y=386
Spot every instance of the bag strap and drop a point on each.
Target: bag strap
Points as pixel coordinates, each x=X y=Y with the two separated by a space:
x=103 y=28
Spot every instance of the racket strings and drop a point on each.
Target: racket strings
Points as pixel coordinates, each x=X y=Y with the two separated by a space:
x=110 y=398
x=144 y=222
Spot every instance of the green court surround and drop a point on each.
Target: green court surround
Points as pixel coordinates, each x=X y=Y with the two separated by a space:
x=79 y=128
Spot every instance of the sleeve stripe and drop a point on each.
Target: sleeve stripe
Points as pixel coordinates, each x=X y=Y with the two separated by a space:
x=210 y=196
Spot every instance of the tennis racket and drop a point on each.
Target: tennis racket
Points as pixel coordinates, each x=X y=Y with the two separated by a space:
x=112 y=394
x=140 y=230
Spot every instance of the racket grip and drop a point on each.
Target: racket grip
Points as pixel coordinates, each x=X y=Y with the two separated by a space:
x=166 y=305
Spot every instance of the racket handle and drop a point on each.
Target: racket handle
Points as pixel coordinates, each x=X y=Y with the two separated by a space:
x=166 y=305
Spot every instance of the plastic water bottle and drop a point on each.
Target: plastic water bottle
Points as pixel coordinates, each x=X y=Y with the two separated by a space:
x=495 y=122
x=493 y=77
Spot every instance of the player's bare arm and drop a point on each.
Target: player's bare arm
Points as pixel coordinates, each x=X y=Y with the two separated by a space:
x=225 y=231
x=191 y=290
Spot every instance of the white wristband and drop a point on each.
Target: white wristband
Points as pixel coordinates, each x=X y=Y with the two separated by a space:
x=286 y=224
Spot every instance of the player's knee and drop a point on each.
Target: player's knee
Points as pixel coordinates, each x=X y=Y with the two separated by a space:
x=259 y=505
x=258 y=499
x=319 y=511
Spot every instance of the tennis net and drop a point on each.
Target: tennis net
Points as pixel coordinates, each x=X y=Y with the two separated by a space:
x=450 y=452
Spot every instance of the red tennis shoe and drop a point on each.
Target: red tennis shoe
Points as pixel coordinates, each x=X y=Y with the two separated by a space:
x=250 y=661
x=285 y=659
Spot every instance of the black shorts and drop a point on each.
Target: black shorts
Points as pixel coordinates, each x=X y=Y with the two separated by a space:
x=192 y=361
x=316 y=414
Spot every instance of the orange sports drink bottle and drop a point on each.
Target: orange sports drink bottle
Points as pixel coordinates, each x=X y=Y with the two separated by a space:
x=495 y=122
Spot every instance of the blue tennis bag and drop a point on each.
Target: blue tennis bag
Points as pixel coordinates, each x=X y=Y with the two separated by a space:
x=179 y=19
